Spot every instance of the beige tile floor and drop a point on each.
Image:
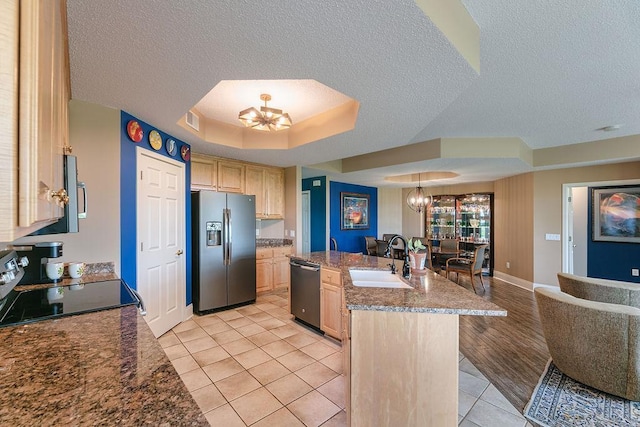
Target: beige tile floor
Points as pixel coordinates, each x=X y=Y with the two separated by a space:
x=254 y=366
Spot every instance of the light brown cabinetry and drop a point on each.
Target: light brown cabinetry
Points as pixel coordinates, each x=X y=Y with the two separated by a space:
x=231 y=176
x=34 y=107
x=401 y=368
x=331 y=302
x=274 y=193
x=267 y=184
x=254 y=184
x=264 y=182
x=204 y=173
x=272 y=268
x=346 y=356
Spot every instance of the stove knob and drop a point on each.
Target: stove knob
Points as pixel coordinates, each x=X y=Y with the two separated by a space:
x=23 y=262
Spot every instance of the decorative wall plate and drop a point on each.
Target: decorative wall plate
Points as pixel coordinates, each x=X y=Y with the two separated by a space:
x=134 y=130
x=171 y=146
x=185 y=152
x=155 y=140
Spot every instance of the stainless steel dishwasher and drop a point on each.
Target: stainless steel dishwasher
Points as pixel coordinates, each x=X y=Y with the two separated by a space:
x=305 y=291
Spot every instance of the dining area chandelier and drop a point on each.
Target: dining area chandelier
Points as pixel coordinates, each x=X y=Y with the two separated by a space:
x=417 y=199
x=266 y=119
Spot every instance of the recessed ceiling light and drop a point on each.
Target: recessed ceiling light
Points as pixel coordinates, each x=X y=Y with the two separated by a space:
x=610 y=128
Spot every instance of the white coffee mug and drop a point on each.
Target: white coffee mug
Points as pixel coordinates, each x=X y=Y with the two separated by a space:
x=76 y=269
x=54 y=270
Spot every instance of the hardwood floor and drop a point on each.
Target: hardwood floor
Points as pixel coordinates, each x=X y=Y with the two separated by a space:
x=510 y=351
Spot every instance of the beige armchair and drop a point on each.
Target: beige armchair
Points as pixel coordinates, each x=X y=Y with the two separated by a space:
x=595 y=343
x=602 y=290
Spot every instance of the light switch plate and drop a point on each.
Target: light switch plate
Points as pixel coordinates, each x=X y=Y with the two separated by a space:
x=550 y=236
x=635 y=272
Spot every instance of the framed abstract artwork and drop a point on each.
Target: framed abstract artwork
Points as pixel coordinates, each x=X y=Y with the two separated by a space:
x=354 y=209
x=616 y=214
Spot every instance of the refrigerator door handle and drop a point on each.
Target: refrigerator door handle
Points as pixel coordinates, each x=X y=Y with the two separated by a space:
x=230 y=240
x=226 y=252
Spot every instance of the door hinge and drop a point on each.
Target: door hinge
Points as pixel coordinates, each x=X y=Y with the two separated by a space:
x=141 y=246
x=569 y=199
x=141 y=175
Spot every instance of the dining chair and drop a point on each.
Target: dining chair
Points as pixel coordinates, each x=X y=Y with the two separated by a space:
x=449 y=248
x=333 y=245
x=469 y=266
x=371 y=245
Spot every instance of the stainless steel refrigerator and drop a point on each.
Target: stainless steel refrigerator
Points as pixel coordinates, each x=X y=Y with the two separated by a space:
x=224 y=250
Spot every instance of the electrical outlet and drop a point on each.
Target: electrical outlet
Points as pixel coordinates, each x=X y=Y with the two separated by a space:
x=635 y=272
x=292 y=233
x=508 y=264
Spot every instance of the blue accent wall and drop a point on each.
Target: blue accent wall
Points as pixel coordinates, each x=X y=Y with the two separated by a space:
x=610 y=260
x=318 y=212
x=352 y=240
x=128 y=213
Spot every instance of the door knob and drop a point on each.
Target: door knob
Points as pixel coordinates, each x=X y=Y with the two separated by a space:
x=179 y=252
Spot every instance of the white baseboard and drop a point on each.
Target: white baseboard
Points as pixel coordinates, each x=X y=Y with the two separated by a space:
x=512 y=280
x=187 y=313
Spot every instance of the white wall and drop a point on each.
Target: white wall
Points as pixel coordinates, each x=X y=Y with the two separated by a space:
x=390 y=205
x=94 y=134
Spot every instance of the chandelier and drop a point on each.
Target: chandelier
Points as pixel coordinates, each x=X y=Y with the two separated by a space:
x=267 y=119
x=417 y=199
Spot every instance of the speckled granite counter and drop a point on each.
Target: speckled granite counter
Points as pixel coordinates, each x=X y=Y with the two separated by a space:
x=431 y=293
x=273 y=243
x=100 y=368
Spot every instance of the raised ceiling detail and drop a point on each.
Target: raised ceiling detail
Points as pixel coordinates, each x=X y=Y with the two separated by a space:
x=421 y=177
x=316 y=110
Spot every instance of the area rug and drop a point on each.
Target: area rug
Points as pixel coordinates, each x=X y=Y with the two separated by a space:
x=559 y=401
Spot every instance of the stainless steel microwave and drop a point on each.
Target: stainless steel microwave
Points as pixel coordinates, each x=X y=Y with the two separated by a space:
x=72 y=213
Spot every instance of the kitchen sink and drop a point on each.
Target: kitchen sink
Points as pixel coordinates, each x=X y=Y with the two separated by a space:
x=377 y=279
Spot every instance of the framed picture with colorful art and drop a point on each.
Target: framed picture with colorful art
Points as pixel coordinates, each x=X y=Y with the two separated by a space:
x=354 y=208
x=616 y=214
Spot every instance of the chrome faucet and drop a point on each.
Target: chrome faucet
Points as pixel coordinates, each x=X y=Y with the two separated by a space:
x=406 y=267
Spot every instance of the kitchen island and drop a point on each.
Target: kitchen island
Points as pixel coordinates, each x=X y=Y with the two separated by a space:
x=401 y=345
x=100 y=368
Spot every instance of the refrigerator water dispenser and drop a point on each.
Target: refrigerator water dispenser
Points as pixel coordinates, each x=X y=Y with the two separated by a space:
x=214 y=233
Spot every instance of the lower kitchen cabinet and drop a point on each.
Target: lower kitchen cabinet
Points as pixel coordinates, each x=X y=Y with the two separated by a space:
x=401 y=368
x=331 y=302
x=346 y=355
x=272 y=268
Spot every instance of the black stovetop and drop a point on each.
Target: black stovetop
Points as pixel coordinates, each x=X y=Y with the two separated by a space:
x=41 y=304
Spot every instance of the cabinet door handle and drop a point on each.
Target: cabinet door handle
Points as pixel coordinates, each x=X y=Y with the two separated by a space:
x=61 y=195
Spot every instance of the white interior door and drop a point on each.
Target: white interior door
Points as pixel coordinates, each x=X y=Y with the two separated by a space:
x=580 y=230
x=306 y=221
x=160 y=223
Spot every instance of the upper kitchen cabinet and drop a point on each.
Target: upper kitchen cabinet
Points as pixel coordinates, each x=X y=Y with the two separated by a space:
x=34 y=97
x=231 y=176
x=267 y=184
x=264 y=182
x=204 y=173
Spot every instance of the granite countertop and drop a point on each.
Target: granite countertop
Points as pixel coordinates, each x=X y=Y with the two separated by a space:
x=94 y=272
x=99 y=368
x=273 y=243
x=430 y=293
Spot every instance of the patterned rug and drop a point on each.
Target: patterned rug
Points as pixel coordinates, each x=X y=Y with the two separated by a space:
x=559 y=401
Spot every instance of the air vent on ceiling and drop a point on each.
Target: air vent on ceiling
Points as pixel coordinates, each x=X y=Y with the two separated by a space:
x=193 y=120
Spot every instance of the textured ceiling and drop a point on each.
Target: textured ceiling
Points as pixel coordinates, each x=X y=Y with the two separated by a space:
x=551 y=72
